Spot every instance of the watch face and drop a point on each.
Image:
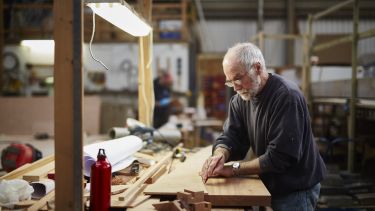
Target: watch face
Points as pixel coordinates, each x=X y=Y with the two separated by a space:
x=236 y=165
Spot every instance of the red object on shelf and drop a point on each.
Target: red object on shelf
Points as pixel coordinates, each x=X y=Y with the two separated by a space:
x=100 y=181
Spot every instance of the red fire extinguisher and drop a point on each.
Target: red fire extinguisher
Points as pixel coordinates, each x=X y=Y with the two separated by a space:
x=100 y=181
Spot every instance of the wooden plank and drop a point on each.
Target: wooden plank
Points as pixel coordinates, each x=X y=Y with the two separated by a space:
x=157 y=175
x=220 y=191
x=130 y=193
x=2 y=35
x=146 y=99
x=331 y=9
x=68 y=104
x=231 y=192
x=42 y=202
x=18 y=173
x=139 y=197
x=145 y=206
x=39 y=173
x=185 y=176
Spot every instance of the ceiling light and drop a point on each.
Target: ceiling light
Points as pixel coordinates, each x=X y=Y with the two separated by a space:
x=122 y=17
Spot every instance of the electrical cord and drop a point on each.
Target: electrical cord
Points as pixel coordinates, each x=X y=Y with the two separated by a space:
x=92 y=38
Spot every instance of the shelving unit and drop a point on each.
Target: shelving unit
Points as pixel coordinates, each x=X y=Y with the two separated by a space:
x=354 y=38
x=169 y=20
x=19 y=30
x=211 y=81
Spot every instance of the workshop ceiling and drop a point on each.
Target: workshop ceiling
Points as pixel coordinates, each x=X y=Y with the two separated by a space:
x=247 y=9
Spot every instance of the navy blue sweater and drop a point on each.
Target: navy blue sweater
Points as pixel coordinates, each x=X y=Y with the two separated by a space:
x=276 y=124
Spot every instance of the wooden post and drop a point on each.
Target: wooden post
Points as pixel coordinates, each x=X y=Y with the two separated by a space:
x=184 y=31
x=68 y=104
x=291 y=21
x=305 y=51
x=2 y=35
x=260 y=26
x=353 y=98
x=308 y=64
x=261 y=42
x=146 y=99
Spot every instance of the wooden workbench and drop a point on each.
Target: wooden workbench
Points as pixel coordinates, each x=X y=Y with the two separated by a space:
x=231 y=192
x=221 y=192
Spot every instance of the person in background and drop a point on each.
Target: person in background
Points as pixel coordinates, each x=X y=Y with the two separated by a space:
x=162 y=91
x=270 y=115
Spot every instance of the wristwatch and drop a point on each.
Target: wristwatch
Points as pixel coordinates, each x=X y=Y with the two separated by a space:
x=236 y=168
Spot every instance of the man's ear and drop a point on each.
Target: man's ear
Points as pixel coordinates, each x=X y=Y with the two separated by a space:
x=258 y=68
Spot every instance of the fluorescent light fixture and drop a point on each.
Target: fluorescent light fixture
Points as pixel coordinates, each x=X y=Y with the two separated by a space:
x=122 y=17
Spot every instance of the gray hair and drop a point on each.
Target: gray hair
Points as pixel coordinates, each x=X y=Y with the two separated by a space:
x=247 y=54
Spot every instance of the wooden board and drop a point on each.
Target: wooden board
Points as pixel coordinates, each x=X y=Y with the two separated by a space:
x=19 y=172
x=39 y=173
x=240 y=191
x=185 y=176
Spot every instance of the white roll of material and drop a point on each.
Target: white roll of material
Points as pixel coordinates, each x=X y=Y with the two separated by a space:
x=119 y=152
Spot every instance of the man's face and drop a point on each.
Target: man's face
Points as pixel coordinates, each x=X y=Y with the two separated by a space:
x=246 y=84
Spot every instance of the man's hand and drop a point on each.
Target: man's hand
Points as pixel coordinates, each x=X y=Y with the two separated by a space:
x=214 y=166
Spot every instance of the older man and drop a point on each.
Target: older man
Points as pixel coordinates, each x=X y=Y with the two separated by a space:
x=270 y=115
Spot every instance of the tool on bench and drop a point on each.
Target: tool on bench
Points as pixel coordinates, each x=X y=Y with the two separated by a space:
x=16 y=155
x=134 y=169
x=149 y=134
x=180 y=154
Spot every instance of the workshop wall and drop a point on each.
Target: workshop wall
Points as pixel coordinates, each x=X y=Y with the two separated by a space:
x=122 y=61
x=218 y=36
x=120 y=58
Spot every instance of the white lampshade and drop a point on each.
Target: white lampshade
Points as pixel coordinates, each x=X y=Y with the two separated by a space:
x=122 y=17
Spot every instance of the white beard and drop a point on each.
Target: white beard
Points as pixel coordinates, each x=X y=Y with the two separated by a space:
x=247 y=94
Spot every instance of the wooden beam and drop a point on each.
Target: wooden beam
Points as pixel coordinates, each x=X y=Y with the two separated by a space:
x=129 y=195
x=305 y=51
x=162 y=170
x=261 y=43
x=68 y=38
x=331 y=9
x=283 y=36
x=291 y=25
x=39 y=173
x=19 y=172
x=2 y=34
x=42 y=202
x=310 y=41
x=349 y=38
x=146 y=98
x=353 y=98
